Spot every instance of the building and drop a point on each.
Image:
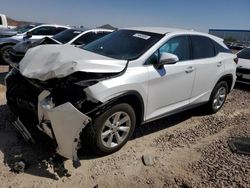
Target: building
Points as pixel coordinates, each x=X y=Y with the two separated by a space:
x=231 y=35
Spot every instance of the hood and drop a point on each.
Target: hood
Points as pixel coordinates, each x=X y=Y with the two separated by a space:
x=7 y=32
x=58 y=61
x=243 y=63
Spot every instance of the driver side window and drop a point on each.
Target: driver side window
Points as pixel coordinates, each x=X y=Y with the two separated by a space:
x=178 y=46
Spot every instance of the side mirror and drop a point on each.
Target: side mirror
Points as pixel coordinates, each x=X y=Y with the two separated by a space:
x=78 y=43
x=166 y=58
x=28 y=35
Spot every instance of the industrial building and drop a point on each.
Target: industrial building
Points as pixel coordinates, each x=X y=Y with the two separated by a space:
x=242 y=36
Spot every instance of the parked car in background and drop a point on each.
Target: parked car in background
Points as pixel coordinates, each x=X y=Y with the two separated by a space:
x=243 y=67
x=34 y=31
x=4 y=22
x=76 y=36
x=121 y=80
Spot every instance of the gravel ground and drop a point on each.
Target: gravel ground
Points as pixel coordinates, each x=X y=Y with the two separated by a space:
x=189 y=149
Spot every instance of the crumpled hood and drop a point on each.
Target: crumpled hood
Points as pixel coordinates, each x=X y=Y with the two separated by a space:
x=57 y=61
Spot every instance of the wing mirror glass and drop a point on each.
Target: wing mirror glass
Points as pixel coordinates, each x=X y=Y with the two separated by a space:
x=78 y=43
x=166 y=58
x=28 y=35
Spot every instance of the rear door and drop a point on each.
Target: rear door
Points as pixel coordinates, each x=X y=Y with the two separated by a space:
x=170 y=87
x=209 y=67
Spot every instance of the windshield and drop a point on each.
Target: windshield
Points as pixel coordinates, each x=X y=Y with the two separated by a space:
x=244 y=54
x=24 y=28
x=124 y=44
x=67 y=35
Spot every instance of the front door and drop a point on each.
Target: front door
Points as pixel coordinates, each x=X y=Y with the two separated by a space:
x=170 y=87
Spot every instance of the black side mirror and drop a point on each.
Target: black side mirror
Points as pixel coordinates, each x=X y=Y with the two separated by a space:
x=166 y=58
x=78 y=43
x=28 y=35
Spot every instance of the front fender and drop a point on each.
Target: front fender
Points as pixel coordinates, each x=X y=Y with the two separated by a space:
x=6 y=41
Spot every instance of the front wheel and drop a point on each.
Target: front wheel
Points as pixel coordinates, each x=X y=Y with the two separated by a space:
x=112 y=129
x=218 y=97
x=5 y=54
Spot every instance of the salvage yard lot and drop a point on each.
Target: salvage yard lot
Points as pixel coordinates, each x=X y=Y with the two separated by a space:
x=189 y=149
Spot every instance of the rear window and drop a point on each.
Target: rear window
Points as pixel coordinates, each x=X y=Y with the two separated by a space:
x=67 y=35
x=89 y=37
x=202 y=47
x=244 y=54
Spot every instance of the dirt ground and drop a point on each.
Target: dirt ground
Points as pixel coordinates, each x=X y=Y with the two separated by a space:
x=190 y=149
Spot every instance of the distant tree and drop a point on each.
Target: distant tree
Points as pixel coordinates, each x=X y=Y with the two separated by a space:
x=230 y=39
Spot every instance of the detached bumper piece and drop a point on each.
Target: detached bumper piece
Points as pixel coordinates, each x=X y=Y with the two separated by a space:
x=240 y=145
x=64 y=124
x=15 y=121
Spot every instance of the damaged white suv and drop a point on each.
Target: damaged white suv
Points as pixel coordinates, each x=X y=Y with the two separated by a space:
x=126 y=78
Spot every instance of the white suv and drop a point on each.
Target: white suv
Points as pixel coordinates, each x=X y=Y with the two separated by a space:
x=126 y=78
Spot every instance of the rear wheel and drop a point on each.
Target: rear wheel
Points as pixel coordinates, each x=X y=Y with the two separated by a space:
x=218 y=97
x=112 y=129
x=5 y=54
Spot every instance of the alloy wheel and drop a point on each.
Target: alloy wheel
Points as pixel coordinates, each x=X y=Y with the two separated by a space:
x=115 y=129
x=219 y=98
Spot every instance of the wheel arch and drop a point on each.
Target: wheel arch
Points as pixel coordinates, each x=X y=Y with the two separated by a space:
x=227 y=78
x=6 y=44
x=133 y=98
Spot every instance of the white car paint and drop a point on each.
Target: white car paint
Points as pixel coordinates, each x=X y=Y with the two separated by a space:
x=164 y=90
x=58 y=63
x=20 y=36
x=243 y=64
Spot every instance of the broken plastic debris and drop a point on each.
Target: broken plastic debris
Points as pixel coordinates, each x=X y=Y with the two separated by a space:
x=19 y=166
x=240 y=145
x=57 y=163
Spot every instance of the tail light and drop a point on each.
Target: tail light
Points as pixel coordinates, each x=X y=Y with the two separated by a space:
x=236 y=60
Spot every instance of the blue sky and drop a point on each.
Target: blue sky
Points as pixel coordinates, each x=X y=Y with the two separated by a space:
x=190 y=14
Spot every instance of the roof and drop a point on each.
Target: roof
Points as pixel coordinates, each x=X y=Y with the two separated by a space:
x=55 y=25
x=159 y=30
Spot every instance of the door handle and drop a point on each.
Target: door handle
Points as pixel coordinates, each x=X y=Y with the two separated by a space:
x=189 y=69
x=219 y=64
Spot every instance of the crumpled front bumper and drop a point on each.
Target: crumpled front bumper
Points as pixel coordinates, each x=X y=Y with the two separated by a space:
x=62 y=123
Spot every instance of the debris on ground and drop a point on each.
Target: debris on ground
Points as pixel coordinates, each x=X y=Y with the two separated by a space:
x=240 y=145
x=57 y=163
x=190 y=149
x=19 y=166
x=148 y=160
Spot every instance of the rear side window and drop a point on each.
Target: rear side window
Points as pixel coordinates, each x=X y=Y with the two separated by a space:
x=67 y=35
x=1 y=21
x=219 y=48
x=47 y=30
x=58 y=30
x=244 y=54
x=202 y=47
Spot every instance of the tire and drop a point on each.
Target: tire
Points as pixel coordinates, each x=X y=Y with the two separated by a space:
x=4 y=54
x=216 y=99
x=102 y=145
